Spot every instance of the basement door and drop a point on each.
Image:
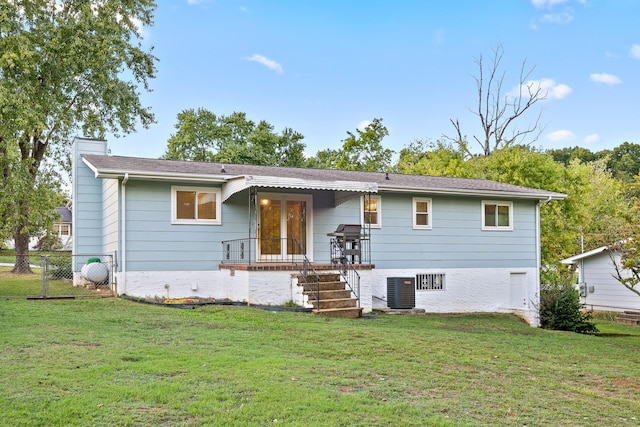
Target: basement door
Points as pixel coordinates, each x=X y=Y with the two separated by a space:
x=283 y=220
x=518 y=290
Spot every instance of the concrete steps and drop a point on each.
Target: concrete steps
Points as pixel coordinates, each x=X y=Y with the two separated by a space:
x=629 y=317
x=333 y=299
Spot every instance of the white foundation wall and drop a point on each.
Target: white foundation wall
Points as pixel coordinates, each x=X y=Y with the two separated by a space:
x=182 y=284
x=252 y=287
x=484 y=290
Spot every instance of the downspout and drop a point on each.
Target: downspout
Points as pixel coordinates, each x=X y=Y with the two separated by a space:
x=538 y=259
x=123 y=235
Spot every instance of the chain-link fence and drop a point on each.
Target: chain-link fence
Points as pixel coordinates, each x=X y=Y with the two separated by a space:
x=60 y=276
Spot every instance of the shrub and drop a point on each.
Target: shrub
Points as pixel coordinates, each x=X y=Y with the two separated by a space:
x=560 y=309
x=60 y=267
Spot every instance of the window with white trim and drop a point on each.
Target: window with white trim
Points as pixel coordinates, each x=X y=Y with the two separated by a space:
x=497 y=215
x=195 y=205
x=430 y=282
x=63 y=230
x=371 y=207
x=421 y=213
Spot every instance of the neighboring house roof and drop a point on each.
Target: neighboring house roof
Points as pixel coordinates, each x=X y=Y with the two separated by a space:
x=243 y=176
x=575 y=258
x=613 y=247
x=65 y=213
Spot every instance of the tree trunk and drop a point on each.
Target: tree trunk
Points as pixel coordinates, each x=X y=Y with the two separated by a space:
x=22 y=253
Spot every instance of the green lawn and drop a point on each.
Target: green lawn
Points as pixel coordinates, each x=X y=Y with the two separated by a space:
x=104 y=362
x=23 y=285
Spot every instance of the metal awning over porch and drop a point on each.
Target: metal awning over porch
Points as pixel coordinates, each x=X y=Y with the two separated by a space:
x=347 y=188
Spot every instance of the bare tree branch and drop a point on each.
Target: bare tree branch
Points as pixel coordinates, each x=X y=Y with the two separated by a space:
x=498 y=112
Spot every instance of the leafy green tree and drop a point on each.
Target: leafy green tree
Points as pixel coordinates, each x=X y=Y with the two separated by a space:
x=65 y=67
x=627 y=268
x=362 y=151
x=624 y=161
x=435 y=159
x=203 y=136
x=568 y=154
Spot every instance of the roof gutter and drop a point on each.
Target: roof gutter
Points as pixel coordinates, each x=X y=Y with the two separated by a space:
x=463 y=192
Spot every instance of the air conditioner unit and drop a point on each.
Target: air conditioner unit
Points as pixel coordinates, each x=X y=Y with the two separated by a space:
x=401 y=292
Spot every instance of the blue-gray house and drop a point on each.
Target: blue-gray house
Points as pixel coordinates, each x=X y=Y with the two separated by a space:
x=269 y=235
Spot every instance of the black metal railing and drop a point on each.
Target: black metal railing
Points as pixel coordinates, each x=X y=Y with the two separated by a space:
x=308 y=275
x=253 y=250
x=345 y=265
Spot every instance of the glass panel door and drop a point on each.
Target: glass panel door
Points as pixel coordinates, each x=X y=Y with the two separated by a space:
x=270 y=227
x=283 y=218
x=296 y=227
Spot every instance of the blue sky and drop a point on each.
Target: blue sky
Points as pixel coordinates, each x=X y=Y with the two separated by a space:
x=326 y=67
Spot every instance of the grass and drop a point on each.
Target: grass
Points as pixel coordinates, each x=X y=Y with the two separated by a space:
x=23 y=285
x=8 y=256
x=103 y=362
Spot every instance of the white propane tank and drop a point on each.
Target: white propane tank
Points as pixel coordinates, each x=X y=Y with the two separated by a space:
x=96 y=272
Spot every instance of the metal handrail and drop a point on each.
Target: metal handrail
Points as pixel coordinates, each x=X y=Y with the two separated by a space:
x=346 y=268
x=245 y=251
x=305 y=270
x=239 y=251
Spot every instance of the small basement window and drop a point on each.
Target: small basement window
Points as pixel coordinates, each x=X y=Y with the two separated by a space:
x=430 y=282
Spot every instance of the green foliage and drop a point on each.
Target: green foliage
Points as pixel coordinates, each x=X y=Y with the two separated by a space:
x=65 y=68
x=624 y=162
x=434 y=159
x=203 y=136
x=361 y=151
x=568 y=154
x=560 y=309
x=60 y=267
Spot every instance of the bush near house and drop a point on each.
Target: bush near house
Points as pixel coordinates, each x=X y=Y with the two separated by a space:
x=560 y=309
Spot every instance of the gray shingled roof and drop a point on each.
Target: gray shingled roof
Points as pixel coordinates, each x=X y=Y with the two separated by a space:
x=117 y=166
x=65 y=213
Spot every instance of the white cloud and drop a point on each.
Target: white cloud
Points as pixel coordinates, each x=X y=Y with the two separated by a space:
x=605 y=78
x=269 y=63
x=541 y=4
x=593 y=138
x=561 y=136
x=197 y=1
x=635 y=51
x=557 y=18
x=363 y=124
x=547 y=87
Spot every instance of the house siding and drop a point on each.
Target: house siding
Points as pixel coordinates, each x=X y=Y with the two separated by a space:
x=456 y=239
x=608 y=294
x=110 y=215
x=155 y=244
x=87 y=200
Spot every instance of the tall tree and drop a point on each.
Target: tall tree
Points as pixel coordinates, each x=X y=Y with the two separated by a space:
x=568 y=154
x=361 y=151
x=497 y=110
x=203 y=136
x=441 y=158
x=65 y=67
x=624 y=161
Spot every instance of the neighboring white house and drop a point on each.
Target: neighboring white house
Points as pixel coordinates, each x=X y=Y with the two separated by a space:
x=224 y=231
x=61 y=228
x=599 y=288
